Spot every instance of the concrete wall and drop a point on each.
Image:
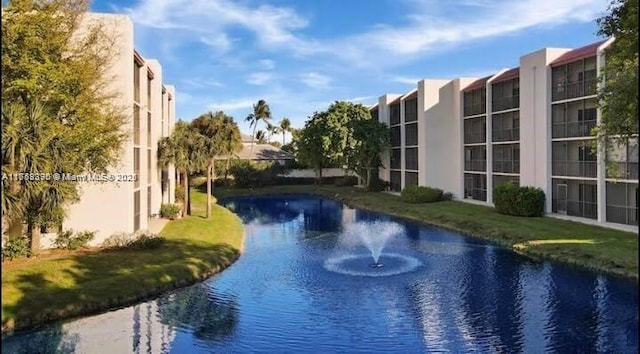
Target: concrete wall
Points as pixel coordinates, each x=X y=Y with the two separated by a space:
x=535 y=119
x=108 y=208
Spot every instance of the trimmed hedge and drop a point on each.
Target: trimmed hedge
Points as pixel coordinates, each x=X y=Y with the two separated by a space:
x=510 y=199
x=346 y=181
x=419 y=194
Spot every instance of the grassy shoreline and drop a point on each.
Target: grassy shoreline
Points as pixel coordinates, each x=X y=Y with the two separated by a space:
x=597 y=248
x=50 y=289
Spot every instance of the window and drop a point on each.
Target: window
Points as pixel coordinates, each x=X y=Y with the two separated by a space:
x=395 y=159
x=411 y=110
x=506 y=158
x=162 y=112
x=149 y=202
x=394 y=113
x=374 y=114
x=475 y=158
x=395 y=136
x=136 y=211
x=396 y=181
x=411 y=134
x=136 y=166
x=410 y=179
x=505 y=95
x=149 y=130
x=475 y=186
x=149 y=166
x=136 y=124
x=475 y=102
x=136 y=80
x=149 y=79
x=411 y=159
x=475 y=130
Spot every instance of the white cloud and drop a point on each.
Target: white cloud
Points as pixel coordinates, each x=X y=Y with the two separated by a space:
x=360 y=99
x=200 y=83
x=405 y=80
x=315 y=80
x=233 y=104
x=260 y=78
x=267 y=64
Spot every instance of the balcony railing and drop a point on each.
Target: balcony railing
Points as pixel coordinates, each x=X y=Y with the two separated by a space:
x=622 y=214
x=474 y=109
x=572 y=129
x=574 y=168
x=506 y=166
x=573 y=90
x=475 y=165
x=475 y=138
x=505 y=135
x=504 y=103
x=622 y=170
x=575 y=208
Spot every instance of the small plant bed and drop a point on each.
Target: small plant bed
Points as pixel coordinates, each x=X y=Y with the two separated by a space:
x=589 y=246
x=59 y=284
x=419 y=194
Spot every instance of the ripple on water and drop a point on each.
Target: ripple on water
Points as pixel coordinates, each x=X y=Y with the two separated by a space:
x=360 y=265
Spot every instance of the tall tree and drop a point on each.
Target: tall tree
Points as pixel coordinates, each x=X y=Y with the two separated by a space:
x=261 y=137
x=55 y=61
x=232 y=141
x=272 y=130
x=285 y=127
x=261 y=112
x=221 y=137
x=315 y=148
x=371 y=140
x=618 y=95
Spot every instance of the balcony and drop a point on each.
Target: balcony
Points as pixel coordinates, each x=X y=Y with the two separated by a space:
x=475 y=165
x=622 y=170
x=506 y=166
x=505 y=135
x=572 y=129
x=574 y=168
x=504 y=103
x=574 y=90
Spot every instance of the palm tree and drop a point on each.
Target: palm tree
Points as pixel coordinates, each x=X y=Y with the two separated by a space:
x=272 y=130
x=232 y=141
x=261 y=137
x=179 y=150
x=207 y=126
x=285 y=126
x=261 y=112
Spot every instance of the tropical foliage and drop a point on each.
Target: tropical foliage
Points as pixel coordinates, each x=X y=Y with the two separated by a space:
x=57 y=111
x=618 y=95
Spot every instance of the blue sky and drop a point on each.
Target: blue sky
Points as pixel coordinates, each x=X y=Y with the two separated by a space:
x=301 y=55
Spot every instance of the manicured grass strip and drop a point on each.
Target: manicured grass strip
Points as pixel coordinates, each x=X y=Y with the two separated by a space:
x=594 y=247
x=50 y=289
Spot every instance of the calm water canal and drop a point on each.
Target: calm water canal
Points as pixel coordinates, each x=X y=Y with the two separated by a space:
x=305 y=284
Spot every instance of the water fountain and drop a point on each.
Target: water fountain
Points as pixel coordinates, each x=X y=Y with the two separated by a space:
x=374 y=236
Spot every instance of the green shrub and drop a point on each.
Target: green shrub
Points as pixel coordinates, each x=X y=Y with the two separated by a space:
x=510 y=199
x=248 y=174
x=72 y=241
x=16 y=247
x=378 y=185
x=346 y=181
x=169 y=210
x=419 y=194
x=118 y=240
x=447 y=196
x=146 y=241
x=137 y=241
x=179 y=194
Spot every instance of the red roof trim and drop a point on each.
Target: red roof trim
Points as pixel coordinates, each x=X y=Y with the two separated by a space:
x=396 y=101
x=578 y=54
x=375 y=107
x=507 y=75
x=477 y=84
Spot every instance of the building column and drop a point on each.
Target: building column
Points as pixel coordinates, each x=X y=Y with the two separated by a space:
x=601 y=166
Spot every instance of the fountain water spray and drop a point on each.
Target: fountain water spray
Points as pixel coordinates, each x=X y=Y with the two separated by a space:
x=374 y=235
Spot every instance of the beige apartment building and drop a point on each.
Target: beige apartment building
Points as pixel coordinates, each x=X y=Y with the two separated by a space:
x=529 y=125
x=128 y=205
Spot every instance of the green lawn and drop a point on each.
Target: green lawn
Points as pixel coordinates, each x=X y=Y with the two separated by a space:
x=580 y=244
x=46 y=289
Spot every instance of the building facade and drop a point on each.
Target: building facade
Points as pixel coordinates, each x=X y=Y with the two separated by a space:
x=530 y=125
x=127 y=204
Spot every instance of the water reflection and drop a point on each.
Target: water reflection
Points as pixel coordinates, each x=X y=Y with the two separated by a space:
x=468 y=296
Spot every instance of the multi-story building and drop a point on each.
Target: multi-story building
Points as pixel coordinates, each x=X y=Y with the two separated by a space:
x=529 y=125
x=128 y=204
